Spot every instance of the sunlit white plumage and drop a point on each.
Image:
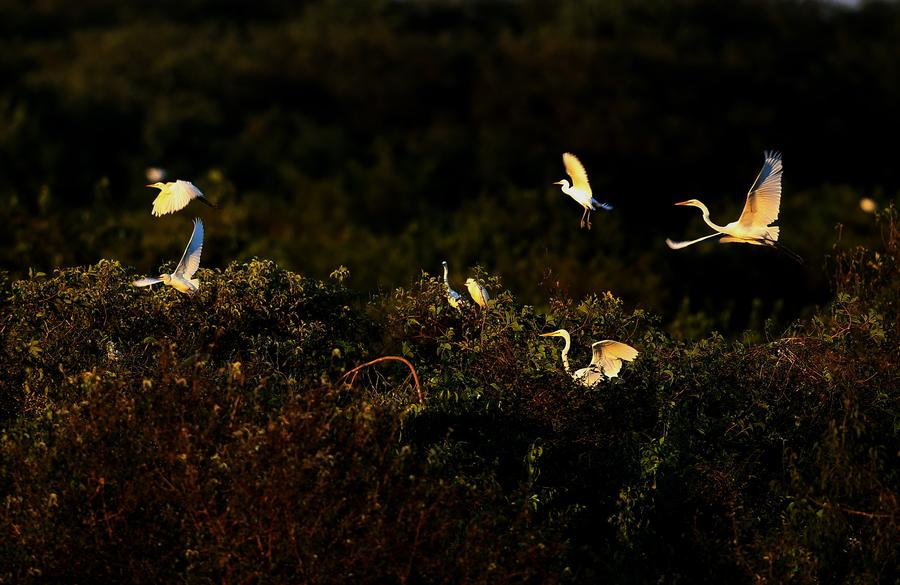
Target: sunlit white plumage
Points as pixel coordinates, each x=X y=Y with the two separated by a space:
x=454 y=298
x=174 y=196
x=580 y=190
x=607 y=359
x=478 y=293
x=760 y=210
x=181 y=278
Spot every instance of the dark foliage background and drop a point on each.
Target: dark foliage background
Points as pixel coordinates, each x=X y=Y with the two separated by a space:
x=147 y=436
x=388 y=136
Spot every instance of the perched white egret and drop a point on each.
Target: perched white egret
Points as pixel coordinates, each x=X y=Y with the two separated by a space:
x=580 y=190
x=454 y=298
x=479 y=293
x=607 y=360
x=180 y=279
x=175 y=196
x=760 y=210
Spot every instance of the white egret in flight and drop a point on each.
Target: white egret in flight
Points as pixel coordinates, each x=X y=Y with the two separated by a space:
x=760 y=210
x=454 y=298
x=479 y=293
x=180 y=279
x=175 y=196
x=580 y=190
x=607 y=360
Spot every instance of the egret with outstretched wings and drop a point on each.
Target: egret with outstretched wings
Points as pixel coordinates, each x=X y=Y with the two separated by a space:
x=580 y=189
x=181 y=279
x=175 y=196
x=760 y=211
x=607 y=359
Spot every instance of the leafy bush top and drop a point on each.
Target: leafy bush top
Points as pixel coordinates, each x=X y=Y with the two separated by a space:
x=149 y=436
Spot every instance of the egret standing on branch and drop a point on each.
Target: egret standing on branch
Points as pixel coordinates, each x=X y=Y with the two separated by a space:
x=175 y=196
x=580 y=190
x=180 y=279
x=453 y=297
x=607 y=360
x=760 y=210
x=479 y=293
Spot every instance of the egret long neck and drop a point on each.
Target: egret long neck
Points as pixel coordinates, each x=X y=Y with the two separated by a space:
x=445 y=276
x=708 y=221
x=565 y=352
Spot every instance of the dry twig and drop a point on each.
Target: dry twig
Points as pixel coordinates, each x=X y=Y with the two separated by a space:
x=386 y=358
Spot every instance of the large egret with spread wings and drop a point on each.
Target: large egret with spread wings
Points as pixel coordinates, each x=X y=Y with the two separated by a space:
x=176 y=195
x=580 y=189
x=607 y=359
x=181 y=278
x=760 y=210
x=454 y=298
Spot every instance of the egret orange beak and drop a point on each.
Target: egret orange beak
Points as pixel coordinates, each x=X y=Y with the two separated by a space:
x=683 y=203
x=558 y=183
x=552 y=334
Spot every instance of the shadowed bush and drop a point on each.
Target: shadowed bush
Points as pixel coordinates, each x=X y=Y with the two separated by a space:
x=149 y=436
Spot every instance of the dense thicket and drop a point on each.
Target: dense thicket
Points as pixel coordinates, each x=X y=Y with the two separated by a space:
x=387 y=136
x=148 y=436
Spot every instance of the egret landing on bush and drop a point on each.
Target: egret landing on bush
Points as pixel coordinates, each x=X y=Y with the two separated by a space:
x=607 y=360
x=453 y=297
x=181 y=279
x=760 y=210
x=580 y=190
x=479 y=293
x=175 y=196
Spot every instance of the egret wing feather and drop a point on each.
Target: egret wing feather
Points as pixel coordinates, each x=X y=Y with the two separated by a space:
x=764 y=197
x=190 y=260
x=611 y=367
x=609 y=354
x=170 y=199
x=191 y=189
x=174 y=196
x=610 y=349
x=575 y=169
x=588 y=376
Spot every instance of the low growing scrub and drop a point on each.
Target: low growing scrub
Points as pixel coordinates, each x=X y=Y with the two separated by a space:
x=148 y=436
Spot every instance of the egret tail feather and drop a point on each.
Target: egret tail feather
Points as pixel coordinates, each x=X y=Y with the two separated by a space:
x=597 y=205
x=788 y=252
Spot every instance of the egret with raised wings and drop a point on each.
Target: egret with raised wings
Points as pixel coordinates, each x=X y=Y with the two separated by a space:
x=181 y=278
x=454 y=298
x=760 y=210
x=580 y=190
x=607 y=360
x=478 y=293
x=175 y=196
